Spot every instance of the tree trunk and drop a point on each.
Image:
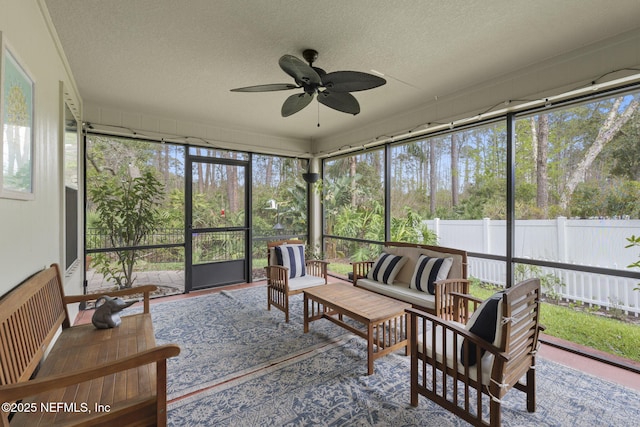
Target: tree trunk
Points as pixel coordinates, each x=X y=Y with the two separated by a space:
x=608 y=131
x=534 y=145
x=455 y=178
x=232 y=186
x=269 y=171
x=352 y=174
x=542 y=150
x=200 y=177
x=433 y=178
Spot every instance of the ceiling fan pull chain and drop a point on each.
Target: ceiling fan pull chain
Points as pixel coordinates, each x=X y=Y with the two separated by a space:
x=318 y=114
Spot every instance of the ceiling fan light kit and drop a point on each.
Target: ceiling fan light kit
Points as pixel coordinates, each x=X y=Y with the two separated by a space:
x=332 y=89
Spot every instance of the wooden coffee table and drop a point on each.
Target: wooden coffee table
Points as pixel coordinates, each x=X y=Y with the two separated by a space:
x=385 y=321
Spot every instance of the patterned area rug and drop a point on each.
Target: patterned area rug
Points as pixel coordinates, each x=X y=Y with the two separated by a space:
x=241 y=365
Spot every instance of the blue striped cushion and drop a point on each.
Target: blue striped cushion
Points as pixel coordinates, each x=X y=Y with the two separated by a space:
x=292 y=257
x=429 y=270
x=386 y=268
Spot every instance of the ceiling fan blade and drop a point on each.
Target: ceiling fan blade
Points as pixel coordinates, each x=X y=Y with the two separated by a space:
x=295 y=103
x=301 y=72
x=344 y=102
x=351 y=81
x=266 y=88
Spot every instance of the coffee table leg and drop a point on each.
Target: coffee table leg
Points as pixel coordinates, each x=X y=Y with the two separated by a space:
x=370 y=349
x=306 y=313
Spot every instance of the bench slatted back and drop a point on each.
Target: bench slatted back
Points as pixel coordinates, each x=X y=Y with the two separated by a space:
x=30 y=316
x=460 y=262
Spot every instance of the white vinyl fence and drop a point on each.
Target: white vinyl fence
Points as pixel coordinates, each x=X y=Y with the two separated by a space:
x=596 y=243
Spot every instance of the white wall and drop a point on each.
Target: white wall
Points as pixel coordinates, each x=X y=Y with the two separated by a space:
x=32 y=232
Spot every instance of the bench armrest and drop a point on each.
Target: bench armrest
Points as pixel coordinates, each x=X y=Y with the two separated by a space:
x=360 y=269
x=467 y=297
x=447 y=305
x=14 y=392
x=145 y=290
x=317 y=267
x=431 y=322
x=278 y=277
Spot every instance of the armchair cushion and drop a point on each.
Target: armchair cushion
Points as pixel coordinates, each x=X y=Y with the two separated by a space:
x=291 y=257
x=386 y=267
x=429 y=270
x=485 y=323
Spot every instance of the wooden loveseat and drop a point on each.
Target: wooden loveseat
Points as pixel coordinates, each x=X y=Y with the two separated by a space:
x=53 y=373
x=440 y=302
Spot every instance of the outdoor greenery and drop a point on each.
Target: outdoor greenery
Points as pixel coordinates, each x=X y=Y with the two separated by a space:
x=581 y=161
x=127 y=212
x=633 y=242
x=588 y=327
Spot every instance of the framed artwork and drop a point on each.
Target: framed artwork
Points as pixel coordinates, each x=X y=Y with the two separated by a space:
x=16 y=110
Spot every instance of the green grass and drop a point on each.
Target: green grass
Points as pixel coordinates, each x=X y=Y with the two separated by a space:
x=602 y=333
x=342 y=269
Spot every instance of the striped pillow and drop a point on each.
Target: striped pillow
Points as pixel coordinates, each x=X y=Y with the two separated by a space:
x=386 y=268
x=292 y=257
x=429 y=270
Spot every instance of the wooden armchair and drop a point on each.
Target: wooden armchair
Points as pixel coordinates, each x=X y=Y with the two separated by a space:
x=445 y=355
x=279 y=283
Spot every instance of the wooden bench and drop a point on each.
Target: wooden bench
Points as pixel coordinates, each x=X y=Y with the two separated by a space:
x=441 y=302
x=89 y=377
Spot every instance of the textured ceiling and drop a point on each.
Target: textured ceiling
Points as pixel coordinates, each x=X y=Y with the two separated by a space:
x=179 y=59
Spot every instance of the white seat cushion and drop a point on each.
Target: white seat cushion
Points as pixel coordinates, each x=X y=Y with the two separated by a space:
x=400 y=291
x=305 y=282
x=487 y=359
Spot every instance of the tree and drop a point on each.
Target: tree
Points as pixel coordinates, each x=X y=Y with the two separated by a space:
x=127 y=211
x=541 y=141
x=612 y=125
x=455 y=174
x=433 y=179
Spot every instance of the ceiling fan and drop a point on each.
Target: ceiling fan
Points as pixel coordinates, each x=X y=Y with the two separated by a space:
x=332 y=89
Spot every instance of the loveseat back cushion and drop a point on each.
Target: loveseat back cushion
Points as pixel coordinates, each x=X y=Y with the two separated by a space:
x=291 y=257
x=486 y=322
x=429 y=270
x=386 y=268
x=412 y=254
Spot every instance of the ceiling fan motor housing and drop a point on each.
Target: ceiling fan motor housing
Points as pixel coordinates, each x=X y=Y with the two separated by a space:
x=310 y=55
